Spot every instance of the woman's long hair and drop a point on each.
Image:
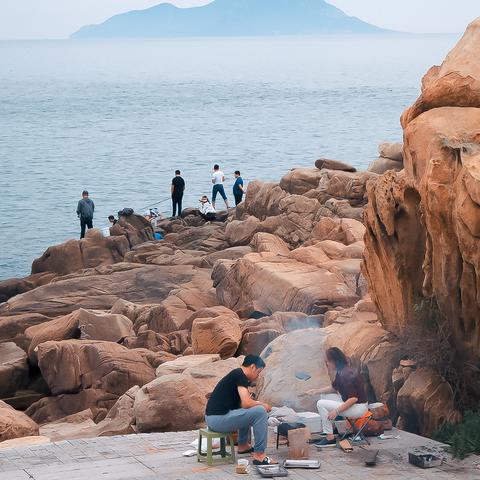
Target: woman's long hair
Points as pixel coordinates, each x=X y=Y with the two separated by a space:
x=336 y=356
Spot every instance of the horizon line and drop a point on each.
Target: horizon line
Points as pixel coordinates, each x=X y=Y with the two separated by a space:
x=69 y=38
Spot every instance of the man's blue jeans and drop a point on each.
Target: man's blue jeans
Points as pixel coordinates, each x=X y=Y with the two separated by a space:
x=242 y=420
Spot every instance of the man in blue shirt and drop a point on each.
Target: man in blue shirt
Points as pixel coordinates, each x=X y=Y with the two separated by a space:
x=238 y=189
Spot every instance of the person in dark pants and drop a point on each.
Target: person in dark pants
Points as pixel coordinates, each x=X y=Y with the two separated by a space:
x=238 y=189
x=85 y=209
x=178 y=187
x=217 y=179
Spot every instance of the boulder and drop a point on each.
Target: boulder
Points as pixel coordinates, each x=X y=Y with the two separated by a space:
x=267 y=242
x=50 y=409
x=128 y=309
x=206 y=238
x=258 y=333
x=157 y=404
x=263 y=199
x=150 y=340
x=14 y=371
x=12 y=328
x=232 y=253
x=392 y=151
x=216 y=334
x=164 y=254
x=16 y=286
x=77 y=425
x=325 y=163
x=271 y=283
x=120 y=419
x=100 y=325
x=61 y=328
x=295 y=363
x=100 y=288
x=336 y=250
x=136 y=228
x=70 y=366
x=74 y=255
x=341 y=185
x=344 y=230
x=180 y=364
x=298 y=216
x=456 y=83
x=241 y=232
x=342 y=209
x=382 y=165
x=300 y=180
x=175 y=312
x=83 y=324
x=425 y=403
x=15 y=424
x=169 y=403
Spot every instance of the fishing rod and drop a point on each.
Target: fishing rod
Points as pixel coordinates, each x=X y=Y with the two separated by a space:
x=156 y=203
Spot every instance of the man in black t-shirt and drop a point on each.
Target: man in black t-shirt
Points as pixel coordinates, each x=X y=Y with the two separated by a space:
x=231 y=408
x=178 y=187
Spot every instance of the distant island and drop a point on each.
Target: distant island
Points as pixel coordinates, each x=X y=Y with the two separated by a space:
x=231 y=18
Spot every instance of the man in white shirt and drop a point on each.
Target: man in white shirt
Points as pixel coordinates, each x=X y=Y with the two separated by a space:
x=217 y=179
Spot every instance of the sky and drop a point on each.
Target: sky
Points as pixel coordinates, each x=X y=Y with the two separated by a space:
x=50 y=19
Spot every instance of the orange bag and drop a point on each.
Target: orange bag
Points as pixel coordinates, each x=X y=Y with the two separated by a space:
x=374 y=428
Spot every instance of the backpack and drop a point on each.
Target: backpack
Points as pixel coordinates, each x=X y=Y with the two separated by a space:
x=126 y=212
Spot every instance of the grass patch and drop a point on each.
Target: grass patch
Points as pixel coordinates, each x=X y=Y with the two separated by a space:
x=464 y=438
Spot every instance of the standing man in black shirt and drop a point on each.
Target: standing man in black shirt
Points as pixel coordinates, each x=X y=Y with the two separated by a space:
x=178 y=187
x=231 y=408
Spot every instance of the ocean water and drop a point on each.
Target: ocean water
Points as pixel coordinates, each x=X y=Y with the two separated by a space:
x=118 y=117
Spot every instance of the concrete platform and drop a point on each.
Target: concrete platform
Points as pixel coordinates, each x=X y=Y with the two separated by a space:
x=159 y=456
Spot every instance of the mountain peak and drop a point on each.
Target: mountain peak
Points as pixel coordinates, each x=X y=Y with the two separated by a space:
x=230 y=18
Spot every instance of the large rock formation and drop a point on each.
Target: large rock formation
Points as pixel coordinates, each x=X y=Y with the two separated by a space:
x=422 y=259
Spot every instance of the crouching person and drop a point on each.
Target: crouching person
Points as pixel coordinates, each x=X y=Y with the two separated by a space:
x=231 y=408
x=346 y=397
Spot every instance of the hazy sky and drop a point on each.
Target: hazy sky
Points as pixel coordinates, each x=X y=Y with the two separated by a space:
x=26 y=19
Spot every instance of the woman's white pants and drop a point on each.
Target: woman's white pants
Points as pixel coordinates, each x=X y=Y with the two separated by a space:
x=329 y=402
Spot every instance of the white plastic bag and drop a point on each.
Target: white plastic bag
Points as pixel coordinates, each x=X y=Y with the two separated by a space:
x=215 y=444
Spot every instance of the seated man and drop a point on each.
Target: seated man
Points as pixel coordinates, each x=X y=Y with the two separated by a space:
x=231 y=408
x=207 y=211
x=345 y=397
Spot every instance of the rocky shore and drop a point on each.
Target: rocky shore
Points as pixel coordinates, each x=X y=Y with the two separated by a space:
x=124 y=334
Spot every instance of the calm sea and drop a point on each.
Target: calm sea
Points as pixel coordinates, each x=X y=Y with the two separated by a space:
x=117 y=118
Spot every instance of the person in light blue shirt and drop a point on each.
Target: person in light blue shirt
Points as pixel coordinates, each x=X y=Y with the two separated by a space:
x=238 y=189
